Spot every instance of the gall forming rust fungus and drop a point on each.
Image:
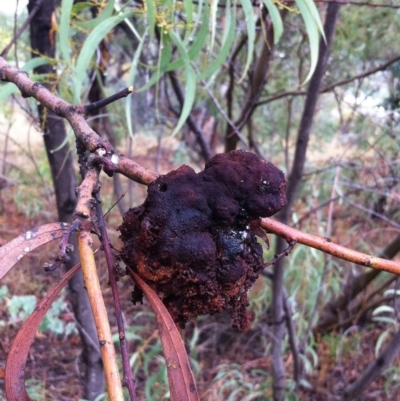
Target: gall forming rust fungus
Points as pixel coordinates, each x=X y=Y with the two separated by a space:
x=193 y=239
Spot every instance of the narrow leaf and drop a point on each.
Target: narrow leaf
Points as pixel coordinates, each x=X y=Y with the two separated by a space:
x=380 y=341
x=106 y=13
x=276 y=19
x=213 y=22
x=383 y=309
x=90 y=46
x=165 y=57
x=14 y=379
x=188 y=6
x=315 y=14
x=190 y=86
x=12 y=252
x=131 y=80
x=251 y=33
x=151 y=17
x=227 y=40
x=66 y=8
x=8 y=90
x=313 y=36
x=180 y=377
x=197 y=45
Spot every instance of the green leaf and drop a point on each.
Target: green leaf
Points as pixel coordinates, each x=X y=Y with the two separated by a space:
x=107 y=12
x=165 y=57
x=188 y=6
x=380 y=341
x=213 y=21
x=128 y=23
x=227 y=41
x=151 y=17
x=34 y=63
x=190 y=86
x=78 y=7
x=251 y=33
x=275 y=18
x=90 y=46
x=313 y=36
x=315 y=14
x=197 y=45
x=66 y=8
x=131 y=79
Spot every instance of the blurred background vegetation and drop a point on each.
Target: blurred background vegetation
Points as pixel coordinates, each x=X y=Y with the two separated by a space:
x=349 y=191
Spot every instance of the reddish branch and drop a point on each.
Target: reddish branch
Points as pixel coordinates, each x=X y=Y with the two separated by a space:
x=127 y=379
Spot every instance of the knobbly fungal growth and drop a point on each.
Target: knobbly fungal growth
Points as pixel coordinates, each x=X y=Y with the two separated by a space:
x=193 y=239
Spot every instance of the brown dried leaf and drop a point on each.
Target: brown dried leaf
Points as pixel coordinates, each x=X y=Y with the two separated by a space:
x=15 y=365
x=181 y=381
x=12 y=252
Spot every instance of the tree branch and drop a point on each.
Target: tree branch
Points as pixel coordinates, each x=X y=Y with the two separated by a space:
x=328 y=88
x=21 y=30
x=205 y=150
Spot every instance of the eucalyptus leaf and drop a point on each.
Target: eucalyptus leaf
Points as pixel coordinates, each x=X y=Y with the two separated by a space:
x=66 y=8
x=213 y=21
x=151 y=17
x=90 y=46
x=106 y=13
x=227 y=41
x=251 y=33
x=190 y=86
x=163 y=63
x=197 y=45
x=315 y=14
x=131 y=80
x=313 y=36
x=275 y=18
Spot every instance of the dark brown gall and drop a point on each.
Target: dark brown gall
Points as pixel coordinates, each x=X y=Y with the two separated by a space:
x=193 y=239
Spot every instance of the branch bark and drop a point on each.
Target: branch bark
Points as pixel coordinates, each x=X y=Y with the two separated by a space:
x=257 y=82
x=205 y=150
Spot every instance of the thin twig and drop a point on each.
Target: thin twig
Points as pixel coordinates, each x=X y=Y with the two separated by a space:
x=22 y=29
x=328 y=88
x=127 y=373
x=286 y=252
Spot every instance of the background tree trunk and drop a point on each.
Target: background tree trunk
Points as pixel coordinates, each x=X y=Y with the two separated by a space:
x=295 y=177
x=61 y=164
